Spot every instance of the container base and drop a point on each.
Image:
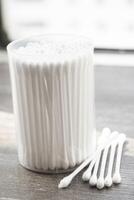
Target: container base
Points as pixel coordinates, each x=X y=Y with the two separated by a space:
x=56 y=171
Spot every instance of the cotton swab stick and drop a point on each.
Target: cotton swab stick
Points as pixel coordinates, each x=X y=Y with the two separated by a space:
x=87 y=174
x=117 y=176
x=108 y=179
x=67 y=180
x=93 y=178
x=100 y=181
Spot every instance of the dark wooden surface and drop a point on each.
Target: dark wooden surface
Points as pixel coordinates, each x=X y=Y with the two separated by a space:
x=114 y=108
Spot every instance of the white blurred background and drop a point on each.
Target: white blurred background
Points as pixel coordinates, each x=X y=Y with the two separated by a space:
x=109 y=22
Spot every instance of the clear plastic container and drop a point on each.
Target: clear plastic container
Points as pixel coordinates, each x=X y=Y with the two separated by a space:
x=53 y=98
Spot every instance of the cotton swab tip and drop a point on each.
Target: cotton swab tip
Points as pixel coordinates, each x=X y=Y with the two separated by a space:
x=93 y=180
x=115 y=133
x=100 y=183
x=86 y=176
x=108 y=181
x=106 y=131
x=65 y=182
x=122 y=137
x=117 y=178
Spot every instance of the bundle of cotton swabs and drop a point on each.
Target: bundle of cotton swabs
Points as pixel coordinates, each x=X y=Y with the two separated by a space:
x=110 y=146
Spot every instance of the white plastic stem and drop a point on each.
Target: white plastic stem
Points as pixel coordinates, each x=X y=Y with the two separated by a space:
x=117 y=176
x=103 y=141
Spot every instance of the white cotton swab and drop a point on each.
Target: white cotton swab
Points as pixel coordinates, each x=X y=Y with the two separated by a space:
x=93 y=178
x=87 y=174
x=108 y=179
x=100 y=181
x=65 y=182
x=117 y=176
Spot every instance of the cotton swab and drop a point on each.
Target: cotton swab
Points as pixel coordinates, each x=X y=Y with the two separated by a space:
x=65 y=182
x=117 y=176
x=108 y=179
x=87 y=174
x=93 y=179
x=100 y=181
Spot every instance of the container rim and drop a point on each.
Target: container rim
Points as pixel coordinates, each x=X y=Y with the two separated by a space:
x=12 y=46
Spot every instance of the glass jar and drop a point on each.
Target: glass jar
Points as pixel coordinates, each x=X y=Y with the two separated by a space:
x=53 y=96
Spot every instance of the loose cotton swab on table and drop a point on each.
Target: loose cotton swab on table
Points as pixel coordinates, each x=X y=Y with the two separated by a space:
x=108 y=178
x=87 y=174
x=117 y=176
x=107 y=141
x=65 y=182
x=100 y=181
x=93 y=178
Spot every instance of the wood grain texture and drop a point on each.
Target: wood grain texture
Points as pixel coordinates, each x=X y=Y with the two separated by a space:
x=114 y=108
